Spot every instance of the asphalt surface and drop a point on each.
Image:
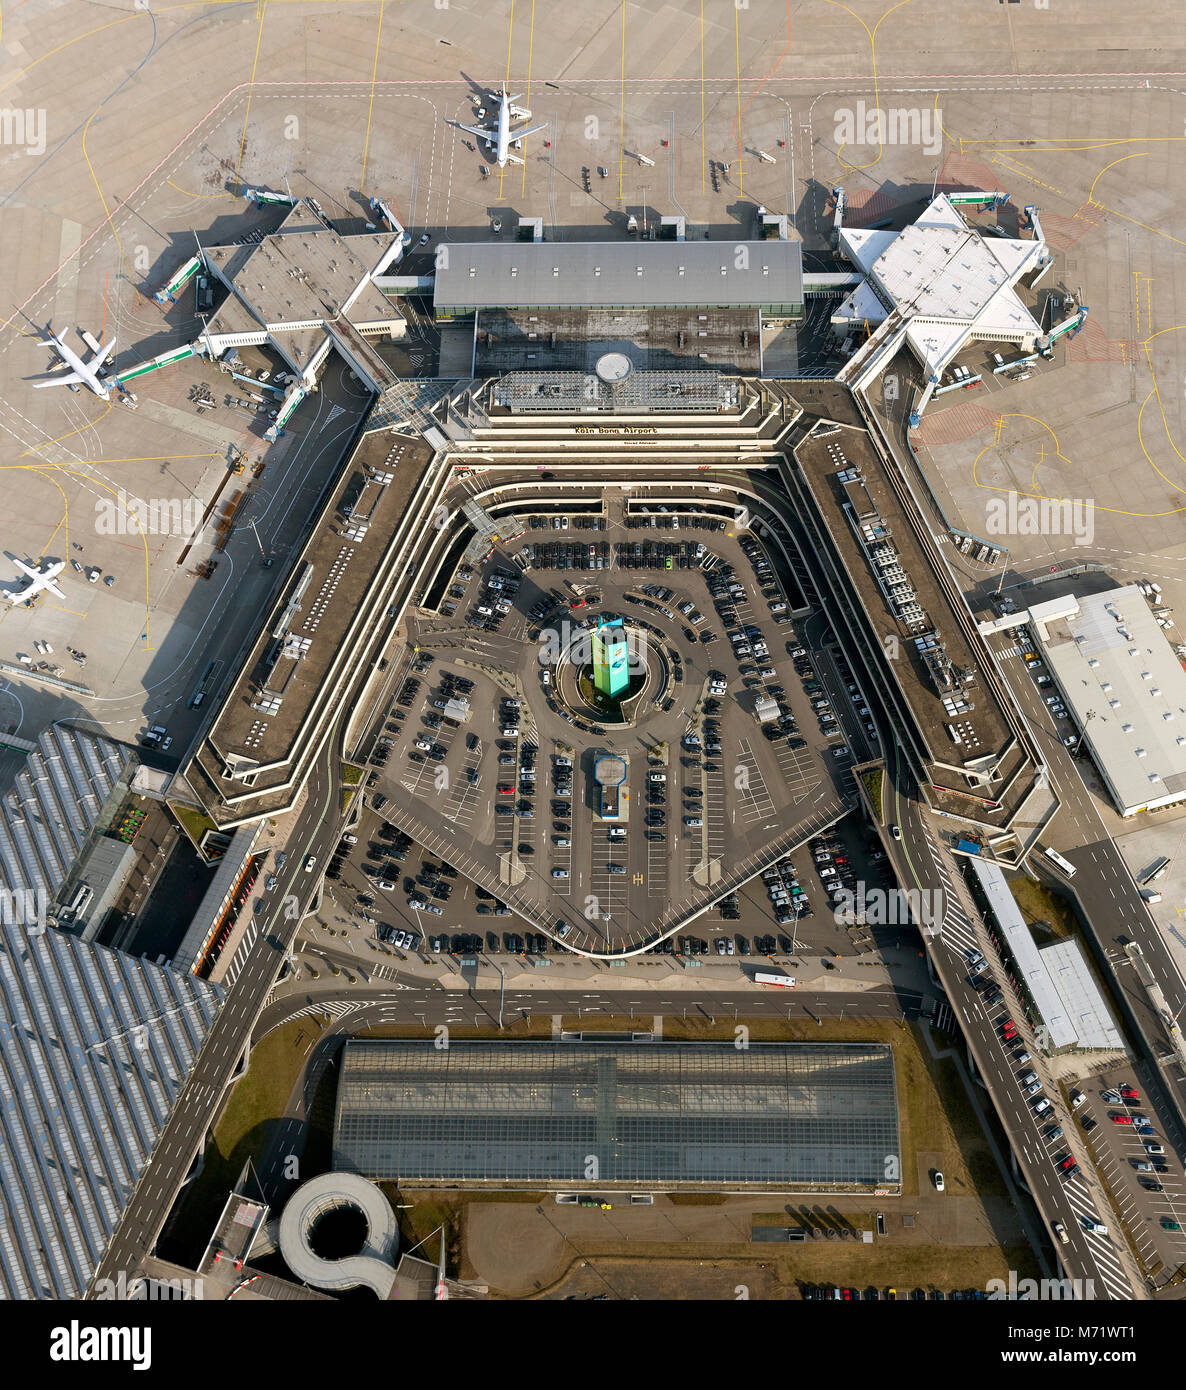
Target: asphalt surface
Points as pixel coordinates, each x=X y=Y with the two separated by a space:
x=925 y=862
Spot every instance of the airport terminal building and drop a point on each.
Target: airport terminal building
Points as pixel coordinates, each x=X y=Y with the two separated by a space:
x=666 y=305
x=616 y=1115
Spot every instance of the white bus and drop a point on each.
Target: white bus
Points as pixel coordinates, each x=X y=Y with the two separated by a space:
x=780 y=981
x=1064 y=864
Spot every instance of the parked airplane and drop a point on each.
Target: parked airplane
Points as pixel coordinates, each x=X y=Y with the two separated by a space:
x=503 y=136
x=38 y=579
x=84 y=373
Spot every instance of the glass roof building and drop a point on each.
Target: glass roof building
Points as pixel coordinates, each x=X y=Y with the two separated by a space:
x=588 y=1115
x=94 y=1047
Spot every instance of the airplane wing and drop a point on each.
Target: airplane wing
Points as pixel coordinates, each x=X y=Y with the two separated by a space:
x=527 y=130
x=30 y=570
x=67 y=379
x=482 y=132
x=102 y=355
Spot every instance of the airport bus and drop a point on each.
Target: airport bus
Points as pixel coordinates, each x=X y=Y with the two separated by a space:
x=1064 y=864
x=763 y=977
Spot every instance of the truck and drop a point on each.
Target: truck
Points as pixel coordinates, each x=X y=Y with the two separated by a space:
x=968 y=847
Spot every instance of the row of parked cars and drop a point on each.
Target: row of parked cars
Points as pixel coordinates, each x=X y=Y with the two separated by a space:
x=398 y=937
x=872 y=1294
x=566 y=555
x=1053 y=701
x=580 y=522
x=664 y=555
x=788 y=897
x=495 y=600
x=673 y=521
x=1153 y=1156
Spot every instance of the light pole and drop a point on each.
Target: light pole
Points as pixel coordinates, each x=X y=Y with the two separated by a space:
x=1087 y=718
x=502 y=984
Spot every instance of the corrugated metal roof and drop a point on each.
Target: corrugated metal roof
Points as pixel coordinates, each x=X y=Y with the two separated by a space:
x=734 y=274
x=94 y=1047
x=1031 y=968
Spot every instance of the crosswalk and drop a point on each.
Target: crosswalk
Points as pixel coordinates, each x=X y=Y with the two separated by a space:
x=335 y=1008
x=239 y=959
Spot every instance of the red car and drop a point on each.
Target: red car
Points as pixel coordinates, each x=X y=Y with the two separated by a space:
x=1067 y=1164
x=1130 y=1095
x=1121 y=1119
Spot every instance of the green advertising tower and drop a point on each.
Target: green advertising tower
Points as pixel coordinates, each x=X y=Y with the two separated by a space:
x=611 y=662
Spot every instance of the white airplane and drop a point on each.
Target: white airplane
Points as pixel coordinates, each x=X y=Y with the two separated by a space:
x=80 y=373
x=501 y=139
x=38 y=580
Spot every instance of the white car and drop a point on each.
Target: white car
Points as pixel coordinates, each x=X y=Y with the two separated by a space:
x=940 y=1186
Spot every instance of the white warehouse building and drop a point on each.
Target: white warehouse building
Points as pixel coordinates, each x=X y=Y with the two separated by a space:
x=1126 y=689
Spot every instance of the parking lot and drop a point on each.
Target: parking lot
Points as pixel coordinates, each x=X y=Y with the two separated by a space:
x=1138 y=1162
x=733 y=741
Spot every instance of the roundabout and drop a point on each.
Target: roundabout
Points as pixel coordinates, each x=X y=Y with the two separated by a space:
x=610 y=673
